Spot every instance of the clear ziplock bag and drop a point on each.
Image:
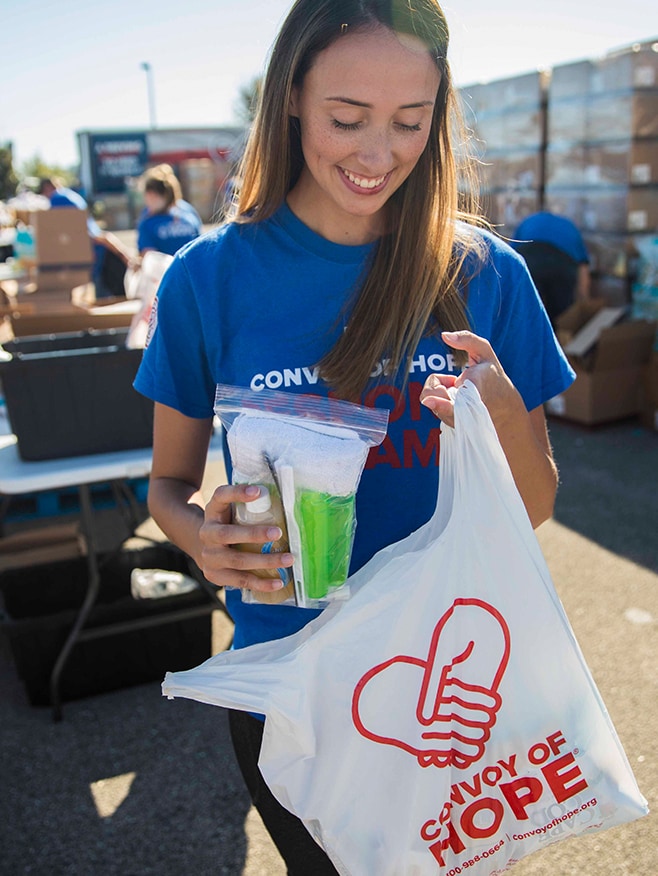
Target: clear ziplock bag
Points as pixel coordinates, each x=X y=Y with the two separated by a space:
x=442 y=720
x=308 y=452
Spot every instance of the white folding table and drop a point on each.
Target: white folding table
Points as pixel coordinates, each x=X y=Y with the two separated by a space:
x=82 y=472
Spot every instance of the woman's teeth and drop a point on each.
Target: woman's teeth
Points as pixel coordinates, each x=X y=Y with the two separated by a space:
x=364 y=183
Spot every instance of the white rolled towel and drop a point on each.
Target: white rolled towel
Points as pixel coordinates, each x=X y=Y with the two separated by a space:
x=327 y=459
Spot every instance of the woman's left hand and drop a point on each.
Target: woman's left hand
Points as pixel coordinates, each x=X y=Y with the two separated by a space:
x=484 y=370
x=522 y=433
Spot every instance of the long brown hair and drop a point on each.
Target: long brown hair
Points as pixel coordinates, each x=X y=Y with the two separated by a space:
x=412 y=284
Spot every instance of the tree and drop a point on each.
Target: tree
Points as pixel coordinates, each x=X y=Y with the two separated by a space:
x=247 y=101
x=8 y=178
x=35 y=168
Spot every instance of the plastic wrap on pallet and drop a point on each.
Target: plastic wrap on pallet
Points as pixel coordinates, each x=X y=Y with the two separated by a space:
x=634 y=66
x=508 y=208
x=613 y=115
x=518 y=169
x=565 y=164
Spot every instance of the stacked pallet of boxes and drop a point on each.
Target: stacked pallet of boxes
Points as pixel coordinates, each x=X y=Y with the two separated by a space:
x=508 y=121
x=602 y=158
x=202 y=182
x=64 y=300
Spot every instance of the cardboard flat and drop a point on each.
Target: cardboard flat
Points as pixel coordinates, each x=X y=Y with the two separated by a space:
x=41 y=546
x=67 y=318
x=574 y=318
x=585 y=339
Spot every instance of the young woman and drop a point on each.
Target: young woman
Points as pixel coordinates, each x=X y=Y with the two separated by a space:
x=167 y=222
x=347 y=268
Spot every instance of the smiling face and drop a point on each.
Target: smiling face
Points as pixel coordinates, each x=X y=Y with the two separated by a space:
x=365 y=112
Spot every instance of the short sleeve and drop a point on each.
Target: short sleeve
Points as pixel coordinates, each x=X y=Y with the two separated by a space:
x=174 y=370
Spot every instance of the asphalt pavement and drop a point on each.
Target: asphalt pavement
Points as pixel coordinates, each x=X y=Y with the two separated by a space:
x=130 y=784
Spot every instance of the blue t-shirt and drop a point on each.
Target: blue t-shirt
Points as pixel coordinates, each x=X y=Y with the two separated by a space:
x=557 y=230
x=259 y=305
x=64 y=197
x=168 y=232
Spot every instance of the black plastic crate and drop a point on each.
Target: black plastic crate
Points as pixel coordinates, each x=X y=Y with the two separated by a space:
x=115 y=337
x=41 y=605
x=75 y=402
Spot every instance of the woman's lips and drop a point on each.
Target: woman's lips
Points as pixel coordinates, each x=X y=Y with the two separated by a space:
x=363 y=183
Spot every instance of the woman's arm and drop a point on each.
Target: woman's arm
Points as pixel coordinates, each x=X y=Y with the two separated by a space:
x=583 y=283
x=522 y=434
x=204 y=532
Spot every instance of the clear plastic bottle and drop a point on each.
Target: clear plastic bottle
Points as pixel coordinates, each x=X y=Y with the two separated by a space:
x=24 y=247
x=266 y=510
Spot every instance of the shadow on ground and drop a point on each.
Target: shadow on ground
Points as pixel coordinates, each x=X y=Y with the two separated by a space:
x=609 y=486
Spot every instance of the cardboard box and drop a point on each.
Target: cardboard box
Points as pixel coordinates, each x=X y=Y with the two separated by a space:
x=511 y=169
x=570 y=80
x=622 y=162
x=565 y=164
x=524 y=128
x=61 y=237
x=60 y=278
x=526 y=91
x=621 y=115
x=566 y=120
x=599 y=397
x=609 y=368
x=574 y=318
x=608 y=209
x=508 y=207
x=635 y=66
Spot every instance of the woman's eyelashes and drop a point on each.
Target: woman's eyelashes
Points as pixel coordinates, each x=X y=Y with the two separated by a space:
x=354 y=126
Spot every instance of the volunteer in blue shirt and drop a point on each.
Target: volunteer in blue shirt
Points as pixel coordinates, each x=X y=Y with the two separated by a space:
x=111 y=257
x=167 y=222
x=557 y=258
x=348 y=268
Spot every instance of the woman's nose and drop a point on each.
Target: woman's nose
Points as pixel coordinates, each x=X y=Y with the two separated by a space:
x=375 y=151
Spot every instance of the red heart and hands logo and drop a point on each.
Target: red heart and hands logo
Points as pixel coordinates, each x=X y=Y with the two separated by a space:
x=440 y=708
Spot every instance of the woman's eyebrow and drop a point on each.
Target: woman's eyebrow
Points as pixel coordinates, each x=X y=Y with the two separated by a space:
x=351 y=102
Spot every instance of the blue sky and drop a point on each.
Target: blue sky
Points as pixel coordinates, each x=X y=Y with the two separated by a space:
x=75 y=65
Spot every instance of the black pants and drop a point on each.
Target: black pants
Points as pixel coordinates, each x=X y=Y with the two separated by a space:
x=302 y=855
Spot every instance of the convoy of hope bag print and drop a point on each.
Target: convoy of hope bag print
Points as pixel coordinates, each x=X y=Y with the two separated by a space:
x=443 y=720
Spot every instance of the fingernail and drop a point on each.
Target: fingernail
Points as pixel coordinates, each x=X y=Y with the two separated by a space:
x=252 y=490
x=274 y=533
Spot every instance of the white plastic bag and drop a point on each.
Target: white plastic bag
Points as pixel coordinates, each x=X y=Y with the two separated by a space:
x=143 y=283
x=443 y=720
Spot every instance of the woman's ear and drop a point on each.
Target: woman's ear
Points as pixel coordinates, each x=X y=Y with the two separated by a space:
x=293 y=104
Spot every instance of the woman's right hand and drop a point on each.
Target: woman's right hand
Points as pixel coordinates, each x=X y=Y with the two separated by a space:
x=221 y=562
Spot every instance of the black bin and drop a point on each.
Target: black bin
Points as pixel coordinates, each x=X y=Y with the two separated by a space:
x=40 y=606
x=115 y=337
x=75 y=401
